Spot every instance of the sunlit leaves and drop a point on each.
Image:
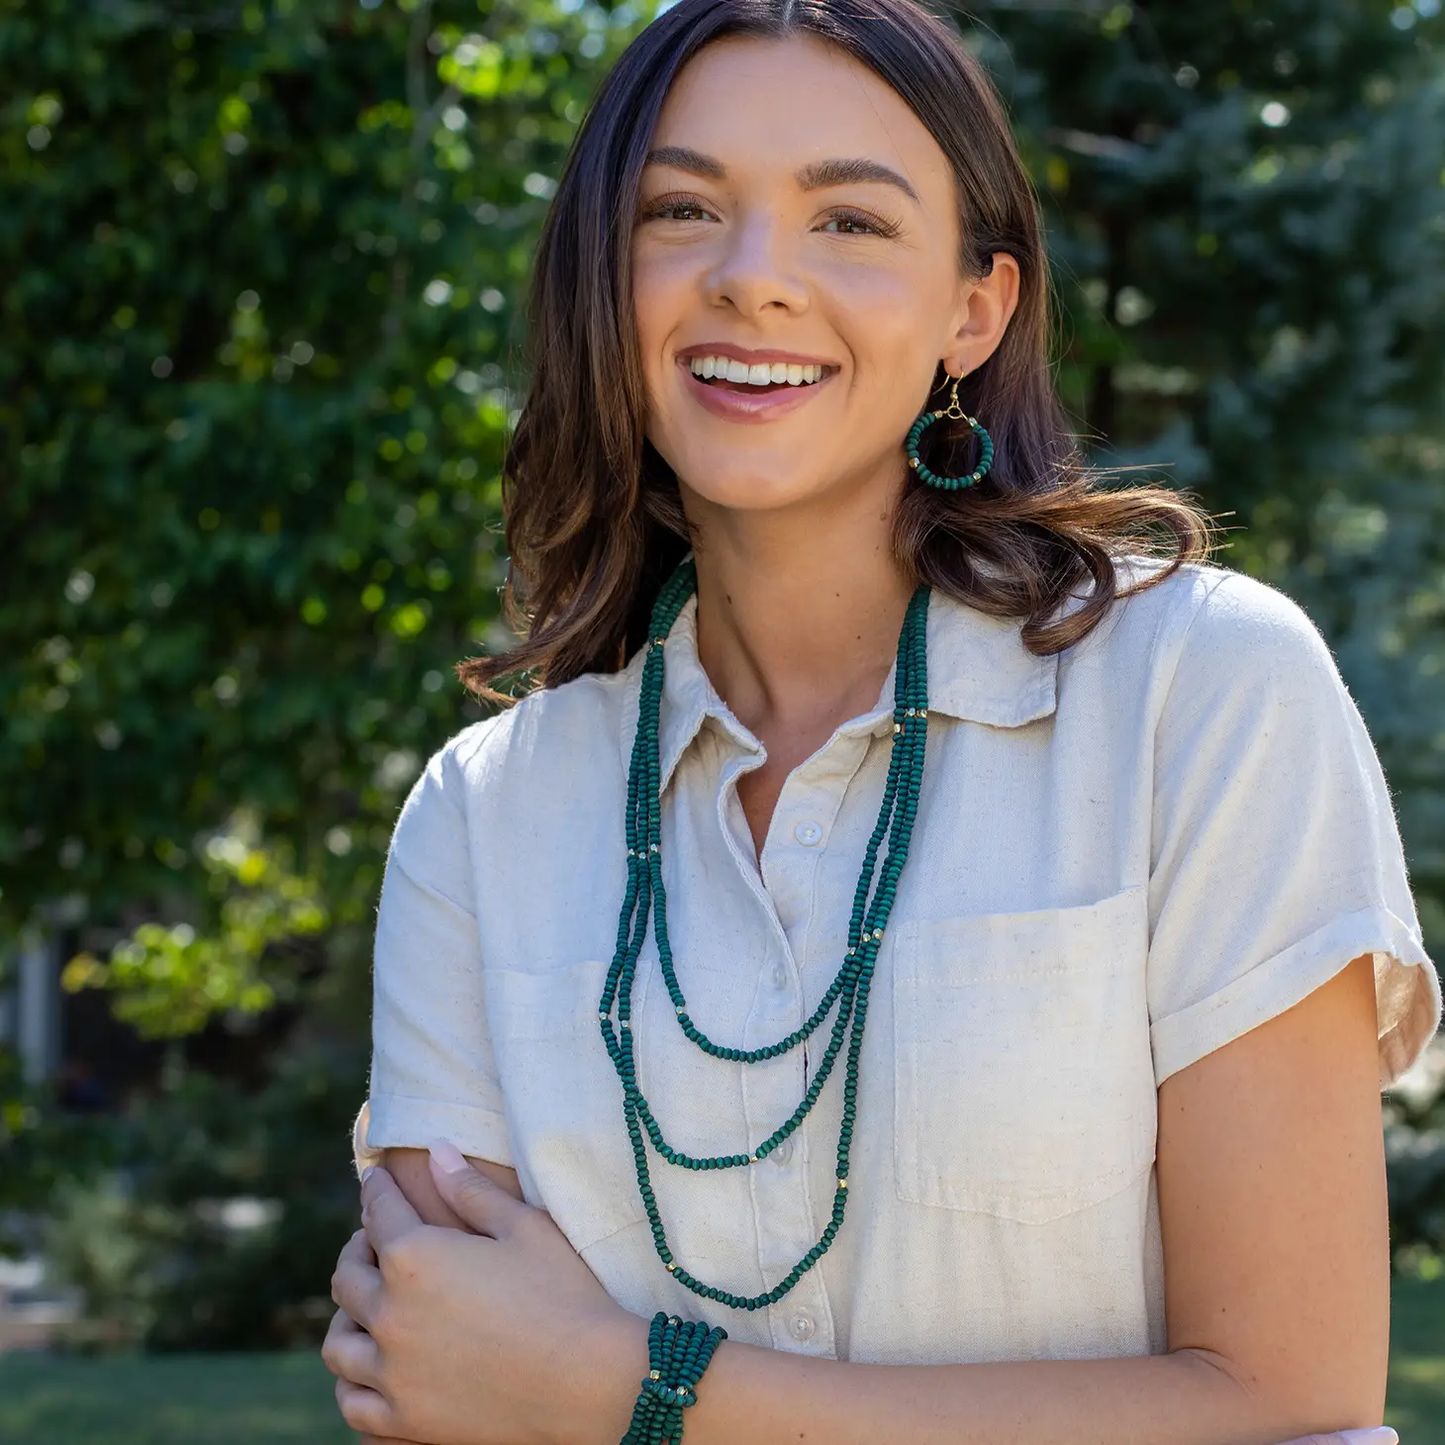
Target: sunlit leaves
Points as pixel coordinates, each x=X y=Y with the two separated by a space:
x=252 y=406
x=474 y=67
x=169 y=980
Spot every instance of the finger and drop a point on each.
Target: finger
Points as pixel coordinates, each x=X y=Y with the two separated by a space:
x=1374 y=1435
x=358 y=1248
x=365 y=1410
x=477 y=1200
x=386 y=1213
x=350 y=1353
x=356 y=1286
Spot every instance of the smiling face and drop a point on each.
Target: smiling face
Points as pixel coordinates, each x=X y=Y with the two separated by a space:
x=796 y=277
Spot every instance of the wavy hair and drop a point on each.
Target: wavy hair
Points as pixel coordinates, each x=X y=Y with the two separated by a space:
x=594 y=521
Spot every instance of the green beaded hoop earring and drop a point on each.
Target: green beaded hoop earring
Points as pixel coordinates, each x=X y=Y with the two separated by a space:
x=957 y=413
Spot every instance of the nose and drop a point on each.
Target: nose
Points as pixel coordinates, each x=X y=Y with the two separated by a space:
x=755 y=272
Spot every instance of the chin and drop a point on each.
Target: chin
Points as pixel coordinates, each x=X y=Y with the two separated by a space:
x=753 y=489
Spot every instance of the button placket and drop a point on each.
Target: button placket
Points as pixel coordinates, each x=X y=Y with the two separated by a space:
x=806 y=807
x=787 y=1224
x=801 y=1321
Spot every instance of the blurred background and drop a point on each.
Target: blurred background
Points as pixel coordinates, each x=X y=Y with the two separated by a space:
x=260 y=271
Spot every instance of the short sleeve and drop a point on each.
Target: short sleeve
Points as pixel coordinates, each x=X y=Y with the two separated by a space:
x=432 y=1070
x=1275 y=852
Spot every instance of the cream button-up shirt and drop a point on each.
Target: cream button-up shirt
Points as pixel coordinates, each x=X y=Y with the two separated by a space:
x=1125 y=856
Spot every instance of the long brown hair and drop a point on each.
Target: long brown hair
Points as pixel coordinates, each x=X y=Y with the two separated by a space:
x=593 y=517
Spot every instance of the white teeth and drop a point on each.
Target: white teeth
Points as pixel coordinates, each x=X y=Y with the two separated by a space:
x=763 y=374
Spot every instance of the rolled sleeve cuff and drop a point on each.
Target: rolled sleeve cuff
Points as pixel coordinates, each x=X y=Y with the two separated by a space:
x=1407 y=994
x=394 y=1121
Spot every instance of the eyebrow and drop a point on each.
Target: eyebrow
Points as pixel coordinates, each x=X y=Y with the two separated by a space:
x=812 y=177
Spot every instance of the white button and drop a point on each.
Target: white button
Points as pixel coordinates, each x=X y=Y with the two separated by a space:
x=780 y=979
x=802 y=1325
x=807 y=833
x=783 y=1152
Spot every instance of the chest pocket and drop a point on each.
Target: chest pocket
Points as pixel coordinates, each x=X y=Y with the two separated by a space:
x=1024 y=1082
x=563 y=1099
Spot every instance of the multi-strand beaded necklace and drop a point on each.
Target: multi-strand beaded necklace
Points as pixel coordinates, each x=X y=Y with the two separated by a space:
x=645 y=902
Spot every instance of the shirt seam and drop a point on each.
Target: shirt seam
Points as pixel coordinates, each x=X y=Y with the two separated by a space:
x=1199 y=609
x=429 y=889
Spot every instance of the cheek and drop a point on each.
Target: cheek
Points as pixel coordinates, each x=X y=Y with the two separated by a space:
x=891 y=320
x=859 y=284
x=890 y=309
x=663 y=288
x=664 y=284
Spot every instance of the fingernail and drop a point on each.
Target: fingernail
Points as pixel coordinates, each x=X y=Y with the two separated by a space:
x=448 y=1157
x=1376 y=1435
x=370 y=1168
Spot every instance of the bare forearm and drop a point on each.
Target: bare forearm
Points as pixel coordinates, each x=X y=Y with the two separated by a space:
x=411 y=1171
x=771 y=1397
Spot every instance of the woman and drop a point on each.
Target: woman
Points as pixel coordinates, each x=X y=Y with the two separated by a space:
x=1046 y=863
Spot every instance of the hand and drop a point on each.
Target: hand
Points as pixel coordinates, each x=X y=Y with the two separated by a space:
x=494 y=1338
x=446 y=1338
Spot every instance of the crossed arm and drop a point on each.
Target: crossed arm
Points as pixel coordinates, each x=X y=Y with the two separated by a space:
x=1273 y=1211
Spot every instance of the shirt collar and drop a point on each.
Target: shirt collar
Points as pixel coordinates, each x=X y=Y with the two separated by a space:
x=978 y=671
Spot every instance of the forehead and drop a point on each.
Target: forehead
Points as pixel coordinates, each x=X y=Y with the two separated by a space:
x=763 y=105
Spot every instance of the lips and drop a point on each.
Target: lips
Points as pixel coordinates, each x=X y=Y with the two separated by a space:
x=745 y=400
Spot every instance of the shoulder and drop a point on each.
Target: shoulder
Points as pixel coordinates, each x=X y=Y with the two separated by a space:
x=539 y=737
x=1240 y=677
x=1204 y=625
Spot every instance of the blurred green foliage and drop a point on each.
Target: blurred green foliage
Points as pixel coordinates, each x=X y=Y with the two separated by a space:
x=260 y=265
x=170 y=980
x=1415 y=1152
x=211 y=1226
x=1248 y=223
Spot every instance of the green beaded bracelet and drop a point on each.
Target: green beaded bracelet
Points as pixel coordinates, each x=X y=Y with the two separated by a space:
x=678 y=1352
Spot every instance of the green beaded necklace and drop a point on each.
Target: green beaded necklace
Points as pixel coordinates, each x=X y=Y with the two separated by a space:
x=645 y=901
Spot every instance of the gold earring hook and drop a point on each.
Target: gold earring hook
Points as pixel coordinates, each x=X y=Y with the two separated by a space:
x=955 y=410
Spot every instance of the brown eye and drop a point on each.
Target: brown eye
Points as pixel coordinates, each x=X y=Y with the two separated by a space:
x=858 y=223
x=676 y=208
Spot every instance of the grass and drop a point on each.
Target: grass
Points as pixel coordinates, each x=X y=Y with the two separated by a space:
x=169 y=1400
x=278 y=1399
x=1416 y=1405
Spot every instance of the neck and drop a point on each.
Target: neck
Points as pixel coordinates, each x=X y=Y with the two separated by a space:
x=798 y=618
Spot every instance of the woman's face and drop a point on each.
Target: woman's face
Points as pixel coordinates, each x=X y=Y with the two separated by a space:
x=796 y=215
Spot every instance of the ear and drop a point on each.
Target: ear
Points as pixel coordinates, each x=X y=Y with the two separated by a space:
x=986 y=307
